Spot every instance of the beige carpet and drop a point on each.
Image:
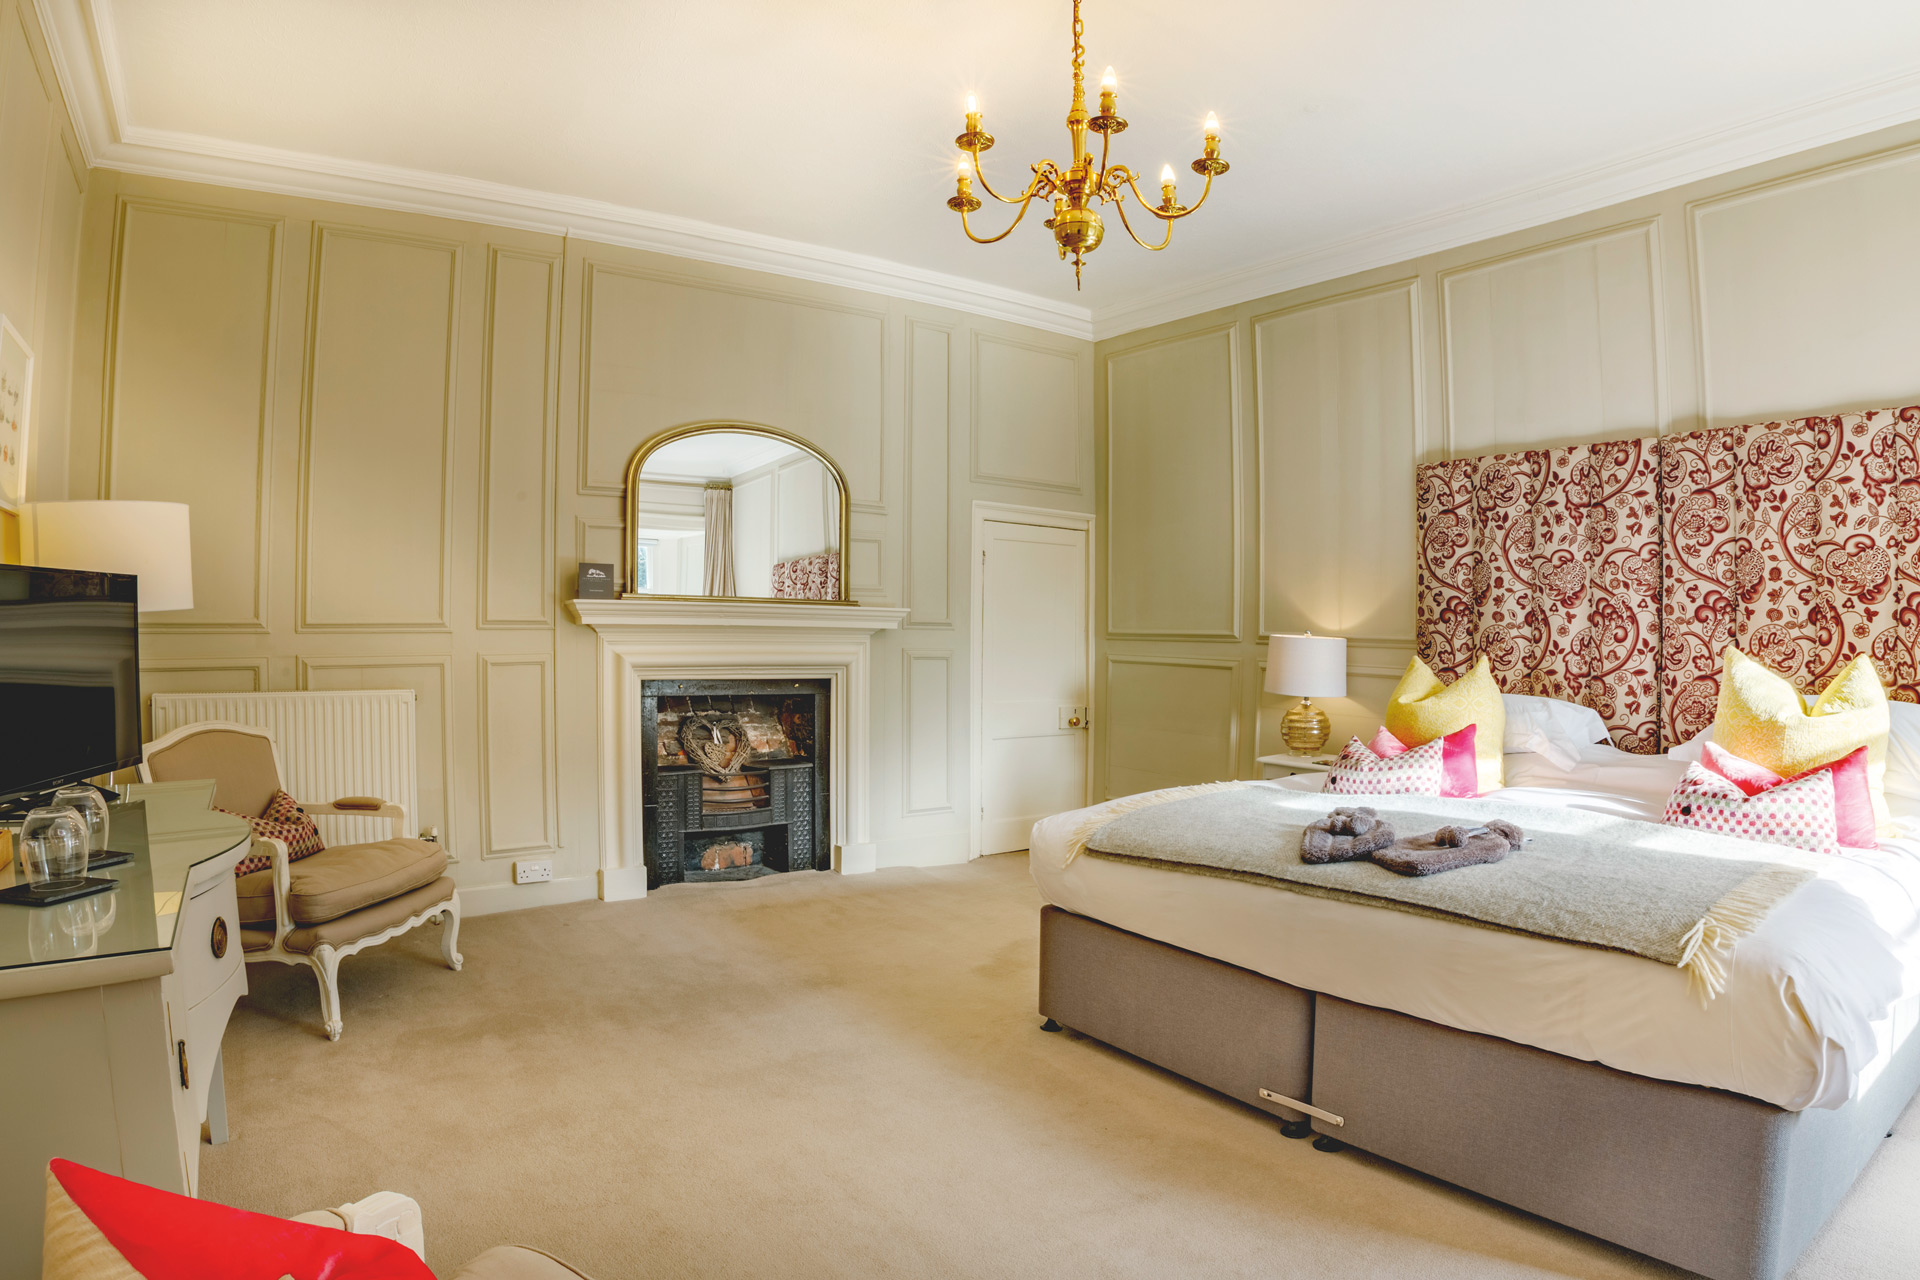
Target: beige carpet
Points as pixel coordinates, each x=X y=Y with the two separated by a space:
x=813 y=1075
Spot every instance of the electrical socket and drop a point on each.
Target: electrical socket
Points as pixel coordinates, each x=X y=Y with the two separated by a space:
x=532 y=870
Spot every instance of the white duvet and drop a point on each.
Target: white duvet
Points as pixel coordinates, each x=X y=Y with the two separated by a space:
x=1818 y=998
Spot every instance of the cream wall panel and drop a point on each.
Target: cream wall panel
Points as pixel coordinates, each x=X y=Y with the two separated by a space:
x=1173 y=465
x=28 y=102
x=1171 y=722
x=1555 y=345
x=661 y=352
x=516 y=485
x=1026 y=415
x=190 y=393
x=1805 y=291
x=517 y=783
x=59 y=257
x=1338 y=391
x=929 y=539
x=377 y=440
x=928 y=730
x=430 y=676
x=864 y=565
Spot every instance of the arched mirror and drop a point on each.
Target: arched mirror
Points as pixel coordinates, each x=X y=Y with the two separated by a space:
x=733 y=510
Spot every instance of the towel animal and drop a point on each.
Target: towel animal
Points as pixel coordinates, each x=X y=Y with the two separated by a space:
x=1450 y=847
x=1345 y=835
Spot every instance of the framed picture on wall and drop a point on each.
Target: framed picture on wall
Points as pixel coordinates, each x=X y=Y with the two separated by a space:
x=16 y=404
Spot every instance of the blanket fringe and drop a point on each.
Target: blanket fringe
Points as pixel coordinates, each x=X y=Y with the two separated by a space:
x=1077 y=842
x=1707 y=949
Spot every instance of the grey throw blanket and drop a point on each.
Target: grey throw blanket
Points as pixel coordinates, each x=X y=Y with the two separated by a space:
x=1675 y=896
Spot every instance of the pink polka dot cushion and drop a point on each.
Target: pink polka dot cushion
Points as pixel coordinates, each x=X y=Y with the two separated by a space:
x=1799 y=814
x=1361 y=771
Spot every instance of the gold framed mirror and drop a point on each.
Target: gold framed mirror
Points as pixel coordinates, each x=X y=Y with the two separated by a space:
x=735 y=511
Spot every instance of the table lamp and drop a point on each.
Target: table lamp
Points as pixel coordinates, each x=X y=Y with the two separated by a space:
x=147 y=539
x=1306 y=667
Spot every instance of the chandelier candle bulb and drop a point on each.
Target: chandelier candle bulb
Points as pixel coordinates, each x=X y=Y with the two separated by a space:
x=1167 y=185
x=973 y=115
x=1212 y=126
x=1108 y=83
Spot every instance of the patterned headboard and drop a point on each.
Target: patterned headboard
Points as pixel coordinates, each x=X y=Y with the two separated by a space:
x=1614 y=575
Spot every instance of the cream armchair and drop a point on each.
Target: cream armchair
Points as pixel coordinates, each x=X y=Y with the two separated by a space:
x=322 y=908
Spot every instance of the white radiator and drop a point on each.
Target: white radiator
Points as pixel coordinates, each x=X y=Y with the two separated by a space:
x=332 y=743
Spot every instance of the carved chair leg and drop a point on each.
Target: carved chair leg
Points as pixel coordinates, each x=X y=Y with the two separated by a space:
x=450 y=933
x=326 y=967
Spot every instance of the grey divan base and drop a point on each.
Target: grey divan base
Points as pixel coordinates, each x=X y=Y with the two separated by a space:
x=1716 y=1182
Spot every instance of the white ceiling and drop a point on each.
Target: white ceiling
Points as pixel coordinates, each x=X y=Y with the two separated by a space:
x=816 y=138
x=716 y=455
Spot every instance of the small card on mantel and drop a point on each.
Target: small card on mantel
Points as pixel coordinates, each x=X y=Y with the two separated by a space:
x=596 y=582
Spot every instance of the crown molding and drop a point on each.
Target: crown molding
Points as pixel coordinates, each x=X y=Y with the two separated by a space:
x=1850 y=113
x=86 y=59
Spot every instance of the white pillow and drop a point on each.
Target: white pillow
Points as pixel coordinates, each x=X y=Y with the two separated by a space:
x=1564 y=727
x=1691 y=751
x=1903 y=755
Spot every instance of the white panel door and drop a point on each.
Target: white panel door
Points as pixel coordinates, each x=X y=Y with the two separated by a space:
x=1033 y=666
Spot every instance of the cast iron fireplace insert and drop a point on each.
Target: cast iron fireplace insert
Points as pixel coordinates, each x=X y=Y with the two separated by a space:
x=749 y=798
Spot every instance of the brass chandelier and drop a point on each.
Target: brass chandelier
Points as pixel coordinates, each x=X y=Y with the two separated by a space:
x=1076 y=191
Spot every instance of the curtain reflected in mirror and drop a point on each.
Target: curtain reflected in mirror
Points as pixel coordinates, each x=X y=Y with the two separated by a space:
x=726 y=510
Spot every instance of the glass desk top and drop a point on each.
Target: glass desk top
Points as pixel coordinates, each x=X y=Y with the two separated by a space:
x=169 y=829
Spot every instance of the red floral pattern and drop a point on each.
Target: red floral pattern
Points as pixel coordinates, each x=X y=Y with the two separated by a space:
x=1549 y=563
x=1799 y=543
x=808 y=577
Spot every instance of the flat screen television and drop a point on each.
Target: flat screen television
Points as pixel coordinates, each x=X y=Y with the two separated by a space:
x=69 y=677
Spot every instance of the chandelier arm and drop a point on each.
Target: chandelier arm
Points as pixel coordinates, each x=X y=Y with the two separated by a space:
x=1024 y=206
x=1170 y=217
x=1121 y=205
x=1040 y=178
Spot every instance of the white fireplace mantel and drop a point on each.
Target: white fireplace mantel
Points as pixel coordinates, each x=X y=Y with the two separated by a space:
x=644 y=640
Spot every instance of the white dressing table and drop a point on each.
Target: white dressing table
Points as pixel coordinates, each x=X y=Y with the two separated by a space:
x=112 y=1008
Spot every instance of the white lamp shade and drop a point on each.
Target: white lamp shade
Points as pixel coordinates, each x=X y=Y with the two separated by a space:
x=1307 y=666
x=147 y=539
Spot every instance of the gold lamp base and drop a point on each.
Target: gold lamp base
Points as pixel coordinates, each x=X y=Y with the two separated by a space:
x=1305 y=728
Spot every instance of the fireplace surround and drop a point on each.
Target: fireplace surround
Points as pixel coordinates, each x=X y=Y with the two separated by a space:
x=661 y=639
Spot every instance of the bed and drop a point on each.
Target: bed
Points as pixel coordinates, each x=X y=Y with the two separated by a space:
x=1588 y=1086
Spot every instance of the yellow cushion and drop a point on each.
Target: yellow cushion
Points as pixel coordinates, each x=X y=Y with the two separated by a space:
x=1763 y=718
x=1423 y=709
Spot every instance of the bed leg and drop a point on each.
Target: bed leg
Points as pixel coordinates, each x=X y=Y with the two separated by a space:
x=1296 y=1128
x=1051 y=1025
x=1324 y=1143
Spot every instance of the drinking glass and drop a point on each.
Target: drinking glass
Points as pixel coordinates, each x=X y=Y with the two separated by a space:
x=53 y=845
x=92 y=808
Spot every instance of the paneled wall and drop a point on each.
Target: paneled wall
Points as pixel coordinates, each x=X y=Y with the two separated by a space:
x=1256 y=462
x=43 y=182
x=399 y=435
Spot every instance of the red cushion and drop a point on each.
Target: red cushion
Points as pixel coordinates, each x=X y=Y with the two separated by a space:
x=1852 y=794
x=168 y=1237
x=283 y=819
x=1461 y=771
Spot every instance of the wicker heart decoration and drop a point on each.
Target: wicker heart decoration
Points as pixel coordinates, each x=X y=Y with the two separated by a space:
x=716 y=746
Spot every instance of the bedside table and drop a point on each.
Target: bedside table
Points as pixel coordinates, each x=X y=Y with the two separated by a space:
x=1287 y=766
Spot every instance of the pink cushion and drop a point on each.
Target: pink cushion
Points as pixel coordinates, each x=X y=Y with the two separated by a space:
x=1416 y=771
x=1797 y=813
x=1460 y=770
x=164 y=1236
x=1852 y=795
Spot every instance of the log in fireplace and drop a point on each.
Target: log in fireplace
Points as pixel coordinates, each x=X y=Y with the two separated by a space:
x=734 y=778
